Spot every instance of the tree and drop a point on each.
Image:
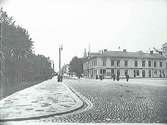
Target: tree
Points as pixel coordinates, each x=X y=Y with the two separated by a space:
x=76 y=65
x=21 y=64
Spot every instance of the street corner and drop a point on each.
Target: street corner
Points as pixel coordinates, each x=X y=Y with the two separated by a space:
x=39 y=101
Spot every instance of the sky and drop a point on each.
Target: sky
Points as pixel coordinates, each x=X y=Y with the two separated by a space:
x=96 y=24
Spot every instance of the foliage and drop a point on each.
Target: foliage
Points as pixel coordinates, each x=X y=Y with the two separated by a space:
x=21 y=64
x=76 y=65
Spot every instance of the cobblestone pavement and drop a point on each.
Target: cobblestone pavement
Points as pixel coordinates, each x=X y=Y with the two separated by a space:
x=118 y=102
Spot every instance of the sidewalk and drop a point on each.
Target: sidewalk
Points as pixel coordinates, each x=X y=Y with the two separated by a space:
x=44 y=99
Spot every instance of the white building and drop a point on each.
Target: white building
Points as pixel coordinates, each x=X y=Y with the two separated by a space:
x=164 y=49
x=135 y=64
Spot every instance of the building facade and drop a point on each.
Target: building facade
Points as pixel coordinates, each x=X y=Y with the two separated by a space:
x=164 y=49
x=135 y=64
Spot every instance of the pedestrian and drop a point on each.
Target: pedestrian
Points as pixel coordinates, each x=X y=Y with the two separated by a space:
x=96 y=76
x=113 y=76
x=61 y=78
x=101 y=77
x=127 y=77
x=58 y=78
x=117 y=77
x=79 y=76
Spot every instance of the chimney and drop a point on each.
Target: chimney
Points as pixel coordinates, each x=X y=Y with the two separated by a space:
x=151 y=52
x=124 y=50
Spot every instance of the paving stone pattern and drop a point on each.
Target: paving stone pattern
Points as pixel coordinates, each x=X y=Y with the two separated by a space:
x=119 y=102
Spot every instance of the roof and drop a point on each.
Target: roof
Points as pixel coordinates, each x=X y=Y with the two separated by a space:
x=164 y=45
x=121 y=54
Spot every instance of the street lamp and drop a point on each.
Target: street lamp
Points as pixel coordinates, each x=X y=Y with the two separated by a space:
x=60 y=73
x=60 y=49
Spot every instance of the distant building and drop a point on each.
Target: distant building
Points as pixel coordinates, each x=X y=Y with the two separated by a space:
x=66 y=69
x=135 y=64
x=164 y=49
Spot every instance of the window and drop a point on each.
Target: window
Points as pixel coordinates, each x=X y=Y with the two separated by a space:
x=112 y=71
x=104 y=72
x=126 y=72
x=143 y=63
x=160 y=64
x=112 y=62
x=136 y=63
x=143 y=73
x=163 y=73
x=95 y=62
x=88 y=64
x=118 y=63
x=104 y=62
x=149 y=73
x=149 y=63
x=134 y=73
x=118 y=72
x=108 y=73
x=95 y=72
x=155 y=64
x=101 y=71
x=155 y=72
x=137 y=72
x=126 y=63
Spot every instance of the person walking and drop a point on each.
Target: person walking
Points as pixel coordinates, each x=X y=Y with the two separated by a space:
x=127 y=77
x=113 y=76
x=117 y=77
x=96 y=76
x=101 y=77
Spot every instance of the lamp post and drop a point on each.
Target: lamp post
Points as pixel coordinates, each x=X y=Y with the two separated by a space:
x=60 y=49
x=60 y=73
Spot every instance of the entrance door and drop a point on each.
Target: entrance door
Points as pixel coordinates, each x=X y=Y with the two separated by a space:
x=143 y=73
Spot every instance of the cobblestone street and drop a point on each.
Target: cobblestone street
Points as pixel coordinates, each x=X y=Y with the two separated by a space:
x=118 y=102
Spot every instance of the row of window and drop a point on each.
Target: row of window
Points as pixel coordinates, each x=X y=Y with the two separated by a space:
x=149 y=64
x=94 y=63
x=135 y=72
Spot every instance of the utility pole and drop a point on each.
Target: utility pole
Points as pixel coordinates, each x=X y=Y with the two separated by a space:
x=60 y=49
x=60 y=77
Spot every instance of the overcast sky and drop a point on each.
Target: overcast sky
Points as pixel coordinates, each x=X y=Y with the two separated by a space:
x=104 y=24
